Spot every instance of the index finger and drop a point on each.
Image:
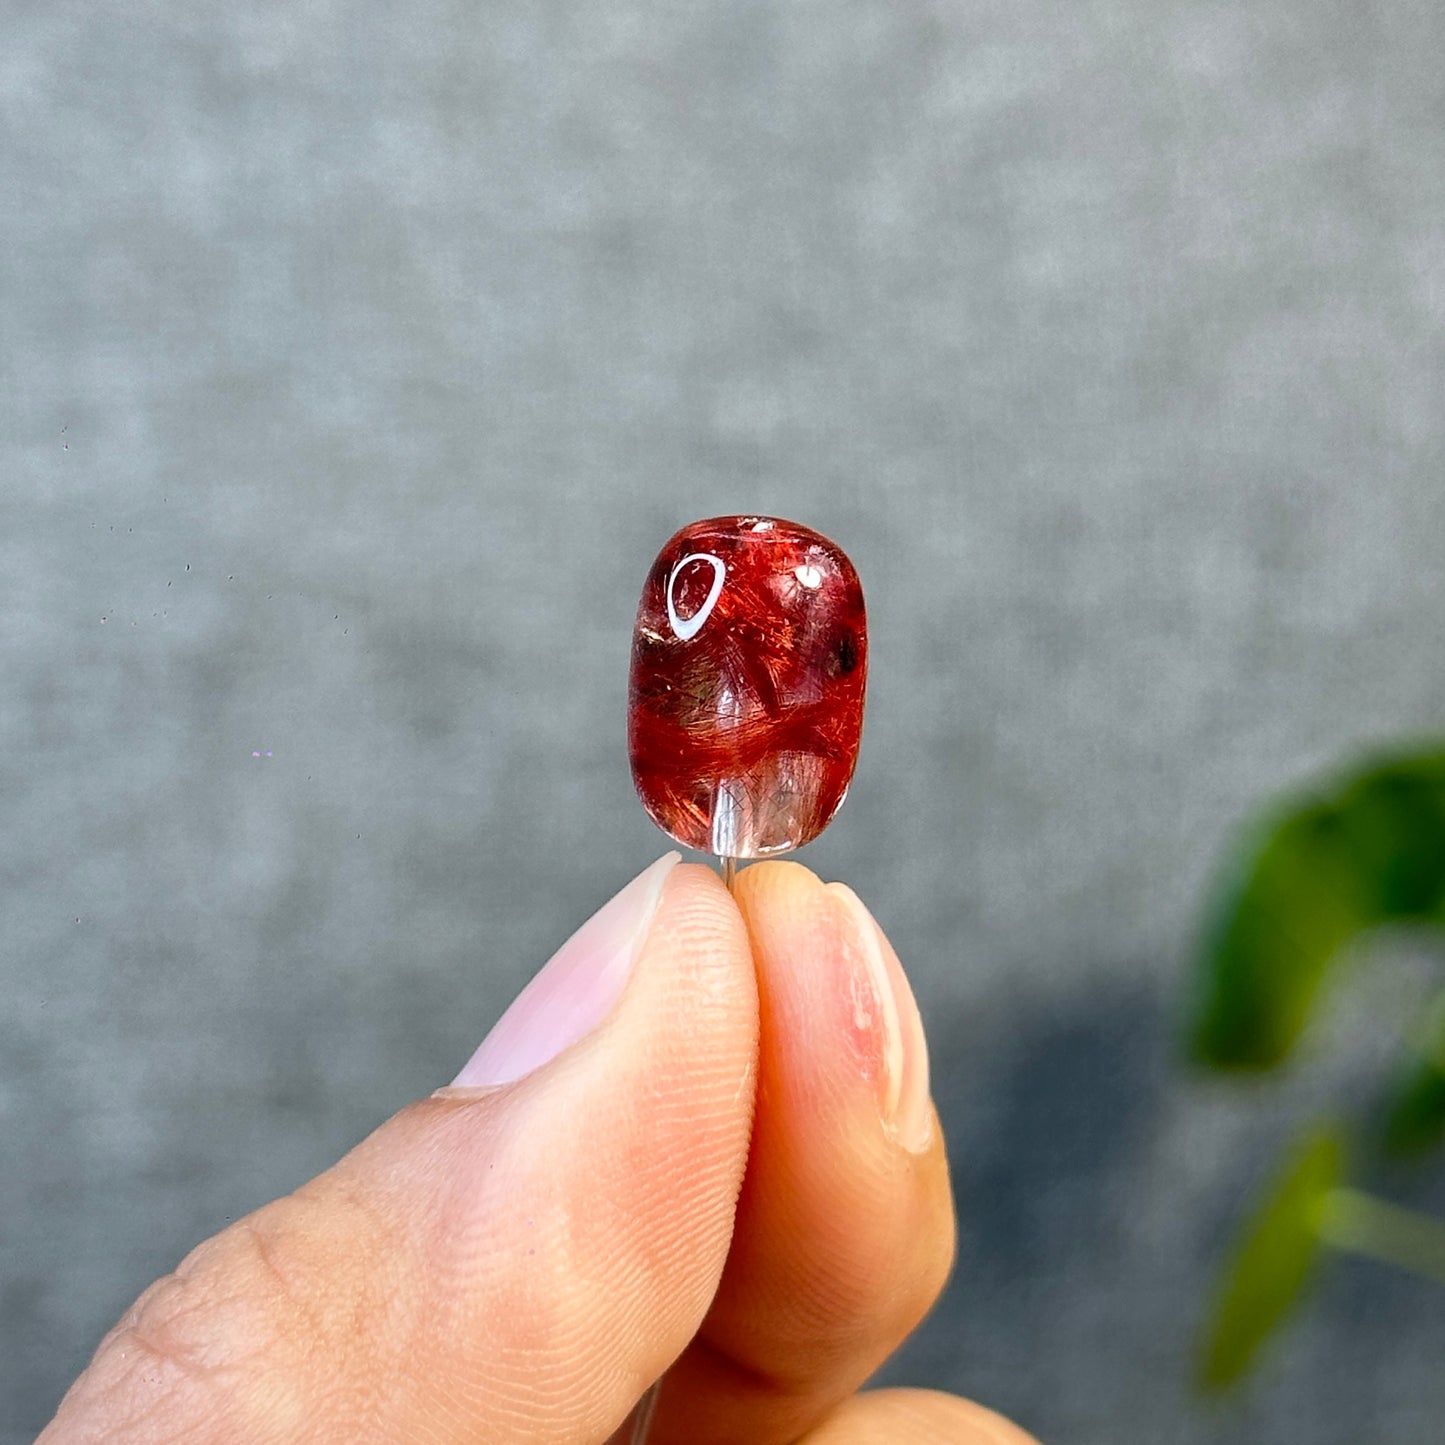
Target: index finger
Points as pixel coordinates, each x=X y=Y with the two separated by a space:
x=844 y=1234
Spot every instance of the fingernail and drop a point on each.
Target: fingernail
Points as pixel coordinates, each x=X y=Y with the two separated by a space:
x=906 y=1105
x=576 y=988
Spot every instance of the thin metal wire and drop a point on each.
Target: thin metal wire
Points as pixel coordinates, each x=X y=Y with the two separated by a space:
x=642 y=1416
x=647 y=1405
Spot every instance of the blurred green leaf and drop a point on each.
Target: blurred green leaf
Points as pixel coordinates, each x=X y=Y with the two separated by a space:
x=1415 y=1114
x=1304 y=879
x=1272 y=1260
x=1365 y=1225
x=1415 y=1121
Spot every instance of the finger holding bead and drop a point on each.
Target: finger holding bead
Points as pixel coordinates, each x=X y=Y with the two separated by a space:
x=844 y=1233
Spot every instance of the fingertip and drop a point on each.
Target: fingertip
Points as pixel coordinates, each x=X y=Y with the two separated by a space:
x=701 y=916
x=845 y=1228
x=778 y=882
x=831 y=983
x=908 y=1104
x=918 y=1417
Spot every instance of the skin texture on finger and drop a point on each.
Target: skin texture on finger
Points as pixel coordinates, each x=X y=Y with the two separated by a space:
x=507 y=1264
x=914 y=1417
x=844 y=1235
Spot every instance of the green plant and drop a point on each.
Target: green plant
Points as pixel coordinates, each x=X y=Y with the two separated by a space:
x=1310 y=874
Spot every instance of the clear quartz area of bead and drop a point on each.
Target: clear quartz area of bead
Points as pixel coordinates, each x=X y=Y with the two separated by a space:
x=768 y=810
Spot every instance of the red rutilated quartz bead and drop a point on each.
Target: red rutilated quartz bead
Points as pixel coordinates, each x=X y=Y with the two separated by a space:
x=748 y=666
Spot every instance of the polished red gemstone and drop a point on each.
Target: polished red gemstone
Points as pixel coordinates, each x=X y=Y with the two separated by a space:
x=748 y=665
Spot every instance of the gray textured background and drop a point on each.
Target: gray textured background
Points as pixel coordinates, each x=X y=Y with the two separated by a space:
x=356 y=360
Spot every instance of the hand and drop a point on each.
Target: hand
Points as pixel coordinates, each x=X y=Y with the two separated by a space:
x=700 y=1142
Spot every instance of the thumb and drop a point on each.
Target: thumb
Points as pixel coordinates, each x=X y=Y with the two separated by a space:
x=513 y=1259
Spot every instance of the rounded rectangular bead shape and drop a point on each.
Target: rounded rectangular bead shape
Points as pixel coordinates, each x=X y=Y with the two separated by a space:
x=749 y=661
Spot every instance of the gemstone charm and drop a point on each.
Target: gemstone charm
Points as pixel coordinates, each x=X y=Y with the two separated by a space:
x=748 y=667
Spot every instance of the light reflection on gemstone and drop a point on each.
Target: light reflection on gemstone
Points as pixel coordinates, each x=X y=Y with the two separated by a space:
x=687 y=628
